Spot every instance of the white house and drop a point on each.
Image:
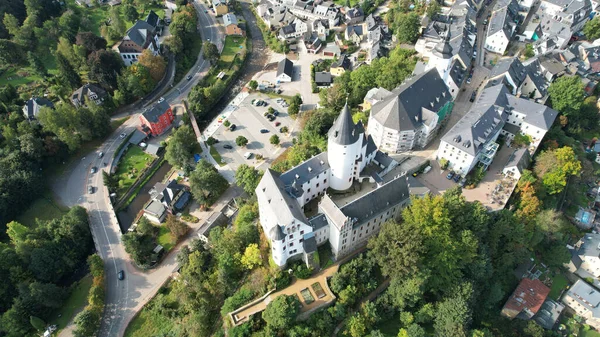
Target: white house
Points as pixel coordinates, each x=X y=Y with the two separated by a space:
x=410 y=117
x=138 y=38
x=33 y=106
x=502 y=26
x=584 y=299
x=496 y=112
x=587 y=253
x=294 y=30
x=285 y=70
x=282 y=197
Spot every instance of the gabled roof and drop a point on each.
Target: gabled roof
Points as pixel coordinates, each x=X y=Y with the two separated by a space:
x=527 y=299
x=229 y=19
x=152 y=19
x=587 y=296
x=137 y=38
x=536 y=114
x=34 y=104
x=354 y=13
x=285 y=66
x=152 y=114
x=343 y=61
x=306 y=170
x=85 y=90
x=354 y=30
x=343 y=131
x=286 y=207
x=403 y=110
x=323 y=77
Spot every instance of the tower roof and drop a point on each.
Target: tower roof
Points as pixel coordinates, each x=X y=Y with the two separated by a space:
x=343 y=131
x=443 y=48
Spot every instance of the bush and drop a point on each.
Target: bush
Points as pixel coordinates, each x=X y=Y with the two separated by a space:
x=211 y=141
x=302 y=271
x=444 y=163
x=189 y=218
x=226 y=123
x=239 y=298
x=589 y=280
x=280 y=280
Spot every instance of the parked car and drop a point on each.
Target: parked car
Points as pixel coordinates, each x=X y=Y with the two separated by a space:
x=121 y=275
x=100 y=154
x=463 y=182
x=469 y=80
x=160 y=100
x=228 y=147
x=427 y=169
x=474 y=53
x=264 y=131
x=189 y=77
x=90 y=189
x=277 y=123
x=232 y=127
x=248 y=155
x=93 y=170
x=485 y=22
x=275 y=113
x=450 y=175
x=473 y=96
x=456 y=178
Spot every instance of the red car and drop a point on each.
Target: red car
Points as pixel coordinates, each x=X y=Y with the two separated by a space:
x=277 y=123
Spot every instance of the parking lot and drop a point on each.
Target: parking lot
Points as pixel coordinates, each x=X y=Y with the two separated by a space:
x=250 y=120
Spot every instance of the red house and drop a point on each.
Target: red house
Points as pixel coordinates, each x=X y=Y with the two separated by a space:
x=157 y=119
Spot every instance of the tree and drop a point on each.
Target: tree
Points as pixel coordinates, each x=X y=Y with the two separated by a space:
x=433 y=9
x=248 y=178
x=397 y=248
x=87 y=323
x=210 y=141
x=110 y=181
x=408 y=29
x=210 y=52
x=567 y=95
x=529 y=53
x=453 y=317
x=131 y=14
x=177 y=228
x=206 y=183
x=66 y=73
x=180 y=146
x=104 y=66
x=37 y=65
x=90 y=41
x=226 y=123
x=241 y=141
x=591 y=29
x=274 y=140
x=281 y=312
x=555 y=166
x=155 y=64
x=251 y=258
x=37 y=323
x=253 y=84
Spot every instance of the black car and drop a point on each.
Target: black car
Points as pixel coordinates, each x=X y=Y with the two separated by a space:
x=232 y=127
x=228 y=147
x=473 y=96
x=189 y=77
x=456 y=178
x=275 y=113
x=271 y=118
x=264 y=131
x=121 y=275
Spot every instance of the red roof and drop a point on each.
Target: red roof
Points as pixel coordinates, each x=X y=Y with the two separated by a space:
x=530 y=294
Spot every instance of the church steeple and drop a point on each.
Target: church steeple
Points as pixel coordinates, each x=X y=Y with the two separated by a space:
x=343 y=130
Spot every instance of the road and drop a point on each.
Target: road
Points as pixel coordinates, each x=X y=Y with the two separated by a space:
x=124 y=298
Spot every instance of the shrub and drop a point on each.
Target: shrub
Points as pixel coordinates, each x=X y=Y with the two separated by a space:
x=226 y=123
x=302 y=271
x=444 y=163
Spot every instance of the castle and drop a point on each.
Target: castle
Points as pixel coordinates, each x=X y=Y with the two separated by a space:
x=351 y=156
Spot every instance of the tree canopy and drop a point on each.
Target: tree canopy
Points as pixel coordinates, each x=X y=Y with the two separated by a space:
x=206 y=183
x=248 y=178
x=180 y=146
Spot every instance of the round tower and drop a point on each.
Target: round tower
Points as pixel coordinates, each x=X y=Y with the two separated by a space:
x=344 y=146
x=278 y=243
x=441 y=57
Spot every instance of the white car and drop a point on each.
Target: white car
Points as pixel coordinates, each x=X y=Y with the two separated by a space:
x=123 y=135
x=160 y=100
x=248 y=155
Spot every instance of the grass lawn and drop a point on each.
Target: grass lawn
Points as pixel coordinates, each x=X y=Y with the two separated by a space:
x=589 y=333
x=233 y=45
x=215 y=154
x=44 y=208
x=131 y=165
x=18 y=75
x=559 y=282
x=76 y=301
x=165 y=238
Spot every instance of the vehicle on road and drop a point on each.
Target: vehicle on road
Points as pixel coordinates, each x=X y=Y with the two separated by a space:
x=123 y=135
x=93 y=170
x=189 y=77
x=264 y=131
x=232 y=127
x=228 y=147
x=277 y=123
x=90 y=189
x=205 y=11
x=248 y=155
x=121 y=275
x=100 y=154
x=474 y=53
x=485 y=22
x=473 y=95
x=450 y=175
x=469 y=80
x=208 y=39
x=427 y=169
x=160 y=100
x=456 y=178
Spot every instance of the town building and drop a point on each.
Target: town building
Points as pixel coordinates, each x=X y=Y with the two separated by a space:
x=139 y=37
x=410 y=117
x=339 y=67
x=584 y=299
x=166 y=199
x=231 y=25
x=33 y=106
x=312 y=43
x=502 y=26
x=157 y=119
x=473 y=140
x=91 y=92
x=321 y=28
x=354 y=16
x=323 y=79
x=526 y=300
x=522 y=81
x=220 y=7
x=354 y=33
x=373 y=96
x=585 y=259
x=517 y=163
x=282 y=197
x=285 y=70
x=295 y=29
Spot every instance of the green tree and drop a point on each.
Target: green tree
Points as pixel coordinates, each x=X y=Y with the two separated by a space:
x=177 y=228
x=408 y=29
x=397 y=249
x=241 y=141
x=37 y=65
x=248 y=178
x=66 y=74
x=591 y=29
x=253 y=84
x=453 y=317
x=87 y=323
x=433 y=9
x=37 y=323
x=180 y=146
x=110 y=181
x=567 y=95
x=555 y=166
x=251 y=258
x=281 y=312
x=210 y=141
x=90 y=41
x=529 y=53
x=274 y=140
x=206 y=183
x=210 y=52
x=131 y=14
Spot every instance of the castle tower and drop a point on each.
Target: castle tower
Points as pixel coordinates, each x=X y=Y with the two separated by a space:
x=344 y=147
x=441 y=57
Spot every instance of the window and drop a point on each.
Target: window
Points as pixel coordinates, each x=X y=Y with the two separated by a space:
x=324 y=181
x=300 y=241
x=301 y=232
x=283 y=248
x=308 y=190
x=317 y=184
x=354 y=232
x=291 y=236
x=291 y=244
x=367 y=232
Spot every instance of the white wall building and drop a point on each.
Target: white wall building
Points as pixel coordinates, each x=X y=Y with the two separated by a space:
x=502 y=26
x=282 y=197
x=585 y=301
x=138 y=38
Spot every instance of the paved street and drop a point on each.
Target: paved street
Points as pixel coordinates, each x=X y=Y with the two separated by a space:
x=124 y=298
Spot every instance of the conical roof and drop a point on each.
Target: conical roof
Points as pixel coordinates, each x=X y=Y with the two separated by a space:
x=443 y=48
x=277 y=233
x=343 y=131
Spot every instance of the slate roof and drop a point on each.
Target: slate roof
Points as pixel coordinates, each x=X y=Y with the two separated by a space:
x=310 y=243
x=519 y=158
x=503 y=17
x=155 y=207
x=152 y=19
x=343 y=131
x=371 y=147
x=84 y=91
x=34 y=104
x=378 y=200
x=137 y=38
x=306 y=170
x=511 y=66
x=377 y=94
x=354 y=13
x=285 y=66
x=530 y=295
x=318 y=221
x=587 y=296
x=275 y=190
x=548 y=314
x=403 y=110
x=383 y=159
x=276 y=233
x=536 y=114
x=323 y=77
x=354 y=29
x=589 y=246
x=152 y=114
x=229 y=19
x=343 y=61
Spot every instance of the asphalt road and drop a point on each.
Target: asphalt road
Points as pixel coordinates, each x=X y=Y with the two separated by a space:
x=125 y=298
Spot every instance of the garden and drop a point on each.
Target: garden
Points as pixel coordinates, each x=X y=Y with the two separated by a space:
x=131 y=167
